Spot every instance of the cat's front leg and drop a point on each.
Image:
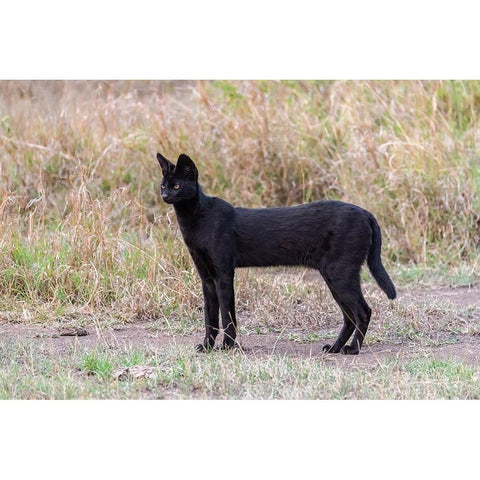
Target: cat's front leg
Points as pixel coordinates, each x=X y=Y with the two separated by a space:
x=211 y=309
x=226 y=297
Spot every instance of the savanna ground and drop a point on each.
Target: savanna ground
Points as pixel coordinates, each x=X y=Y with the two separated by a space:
x=99 y=298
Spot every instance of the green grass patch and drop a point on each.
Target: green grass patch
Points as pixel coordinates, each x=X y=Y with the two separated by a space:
x=31 y=371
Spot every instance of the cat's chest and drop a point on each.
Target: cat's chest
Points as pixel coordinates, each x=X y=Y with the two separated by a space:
x=197 y=234
x=203 y=256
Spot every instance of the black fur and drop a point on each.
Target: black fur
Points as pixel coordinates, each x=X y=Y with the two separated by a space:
x=331 y=236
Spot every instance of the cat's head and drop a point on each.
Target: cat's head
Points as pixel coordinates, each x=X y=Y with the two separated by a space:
x=180 y=182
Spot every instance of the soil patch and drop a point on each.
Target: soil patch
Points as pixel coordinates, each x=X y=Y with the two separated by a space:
x=455 y=344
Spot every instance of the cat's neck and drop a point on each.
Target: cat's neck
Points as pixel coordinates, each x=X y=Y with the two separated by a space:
x=193 y=206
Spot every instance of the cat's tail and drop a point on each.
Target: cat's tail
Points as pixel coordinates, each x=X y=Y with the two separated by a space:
x=375 y=262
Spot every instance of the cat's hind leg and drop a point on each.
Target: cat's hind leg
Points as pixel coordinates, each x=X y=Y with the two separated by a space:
x=345 y=287
x=342 y=338
x=364 y=313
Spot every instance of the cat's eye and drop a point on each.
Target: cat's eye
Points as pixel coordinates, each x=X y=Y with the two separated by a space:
x=162 y=187
x=176 y=186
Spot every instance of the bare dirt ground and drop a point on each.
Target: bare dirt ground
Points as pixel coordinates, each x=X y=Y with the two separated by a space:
x=457 y=345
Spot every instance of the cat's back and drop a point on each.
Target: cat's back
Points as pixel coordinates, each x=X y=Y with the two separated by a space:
x=306 y=223
x=319 y=211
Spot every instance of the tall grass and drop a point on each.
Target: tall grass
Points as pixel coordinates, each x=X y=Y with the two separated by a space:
x=80 y=218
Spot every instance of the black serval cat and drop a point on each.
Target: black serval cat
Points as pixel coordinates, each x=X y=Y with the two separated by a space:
x=331 y=236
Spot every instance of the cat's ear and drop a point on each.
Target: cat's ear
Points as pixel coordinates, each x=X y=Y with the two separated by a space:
x=167 y=165
x=186 y=167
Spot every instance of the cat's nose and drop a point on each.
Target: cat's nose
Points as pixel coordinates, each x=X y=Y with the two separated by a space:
x=166 y=198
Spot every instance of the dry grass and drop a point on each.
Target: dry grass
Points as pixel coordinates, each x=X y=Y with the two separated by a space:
x=81 y=225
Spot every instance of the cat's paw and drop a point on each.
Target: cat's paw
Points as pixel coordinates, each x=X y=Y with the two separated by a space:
x=349 y=350
x=328 y=349
x=202 y=348
x=230 y=346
